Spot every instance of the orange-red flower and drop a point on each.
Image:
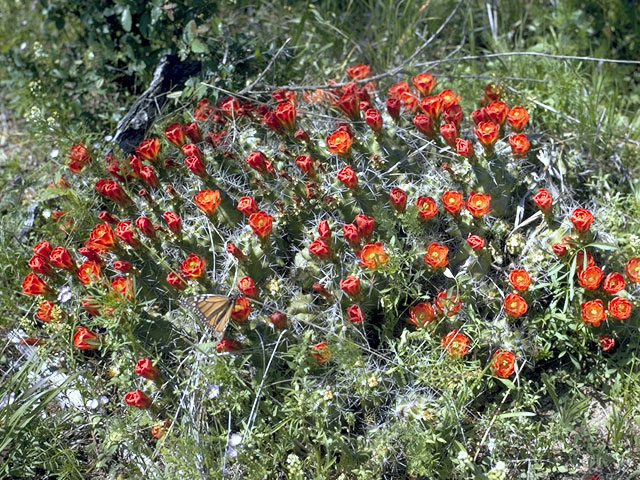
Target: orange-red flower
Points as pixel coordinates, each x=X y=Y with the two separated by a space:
x=354 y=314
x=452 y=202
x=520 y=279
x=145 y=368
x=228 y=344
x=42 y=248
x=581 y=219
x=398 y=199
x=193 y=266
x=497 y=111
x=79 y=158
x=320 y=248
x=393 y=107
x=261 y=223
x=340 y=141
x=397 y=89
x=455 y=343
x=448 y=303
x=113 y=190
x=449 y=98
x=102 y=237
x=324 y=230
x=175 y=134
x=424 y=83
x=449 y=133
x=207 y=200
x=515 y=305
x=146 y=227
x=425 y=124
x=160 y=428
x=373 y=256
x=305 y=163
x=436 y=256
x=620 y=308
x=321 y=352
x=177 y=281
x=350 y=285
x=421 y=315
x=432 y=106
x=475 y=242
x=89 y=272
x=349 y=103
x=85 y=339
x=149 y=149
x=247 y=205
x=464 y=147
x=479 y=204
x=632 y=269
x=241 y=310
x=543 y=200
x=248 y=287
x=347 y=176
x=351 y=234
x=40 y=265
x=49 y=311
x=613 y=283
x=191 y=149
x=517 y=118
x=126 y=233
x=503 y=363
x=373 y=119
x=487 y=133
x=174 y=222
x=285 y=112
x=426 y=207
x=519 y=144
x=137 y=398
x=122 y=287
x=493 y=92
x=606 y=343
x=590 y=277
x=358 y=71
x=365 y=225
x=480 y=115
x=593 y=312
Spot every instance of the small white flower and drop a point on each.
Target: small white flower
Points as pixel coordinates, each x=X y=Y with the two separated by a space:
x=235 y=439
x=65 y=294
x=213 y=391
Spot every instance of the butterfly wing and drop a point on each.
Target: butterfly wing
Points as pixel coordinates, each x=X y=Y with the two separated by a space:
x=212 y=309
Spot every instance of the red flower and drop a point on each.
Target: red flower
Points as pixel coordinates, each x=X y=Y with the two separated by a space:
x=606 y=343
x=79 y=158
x=487 y=133
x=543 y=200
x=196 y=165
x=475 y=242
x=590 y=277
x=149 y=149
x=261 y=224
x=503 y=363
x=61 y=258
x=340 y=141
x=373 y=256
x=432 y=106
x=559 y=248
x=520 y=280
x=259 y=162
x=40 y=265
x=302 y=135
x=581 y=219
x=620 y=308
x=479 y=204
x=397 y=89
x=89 y=272
x=613 y=283
x=373 y=119
x=174 y=222
x=42 y=248
x=350 y=285
x=584 y=258
x=518 y=118
x=123 y=287
x=497 y=111
x=324 y=230
x=321 y=352
x=519 y=144
x=230 y=107
x=176 y=281
x=449 y=132
x=193 y=132
x=464 y=147
x=424 y=83
x=358 y=71
x=632 y=269
x=421 y=315
x=85 y=339
x=228 y=344
x=241 y=310
x=248 y=287
x=453 y=114
x=90 y=305
x=321 y=290
x=515 y=305
x=247 y=205
x=278 y=319
x=365 y=225
x=122 y=266
x=409 y=102
x=455 y=343
x=126 y=233
x=160 y=428
x=320 y=248
x=102 y=238
x=593 y=312
x=393 y=107
x=112 y=189
x=146 y=227
x=448 y=303
x=207 y=200
x=452 y=202
x=49 y=311
x=351 y=234
x=175 y=134
x=138 y=399
x=234 y=250
x=193 y=266
x=426 y=207
x=398 y=199
x=493 y=92
x=436 y=256
x=347 y=176
x=190 y=149
x=285 y=113
x=146 y=369
x=91 y=253
x=425 y=124
x=449 y=98
x=350 y=105
x=355 y=315
x=148 y=176
x=306 y=164
x=479 y=115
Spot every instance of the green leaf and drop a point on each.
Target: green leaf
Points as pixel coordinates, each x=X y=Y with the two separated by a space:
x=507 y=383
x=199 y=47
x=125 y=19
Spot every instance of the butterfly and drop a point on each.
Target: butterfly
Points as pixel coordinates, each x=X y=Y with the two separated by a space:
x=212 y=309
